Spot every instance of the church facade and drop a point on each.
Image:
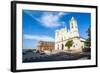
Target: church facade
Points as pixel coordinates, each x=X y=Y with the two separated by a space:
x=62 y=36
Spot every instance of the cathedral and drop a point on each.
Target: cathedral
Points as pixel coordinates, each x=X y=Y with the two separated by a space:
x=62 y=36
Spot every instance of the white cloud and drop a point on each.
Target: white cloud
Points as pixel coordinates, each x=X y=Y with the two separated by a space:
x=61 y=13
x=49 y=19
x=38 y=38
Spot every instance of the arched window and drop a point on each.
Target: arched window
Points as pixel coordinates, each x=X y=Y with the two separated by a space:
x=82 y=47
x=73 y=45
x=72 y=25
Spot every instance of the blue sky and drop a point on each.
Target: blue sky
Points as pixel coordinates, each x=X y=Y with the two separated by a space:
x=41 y=25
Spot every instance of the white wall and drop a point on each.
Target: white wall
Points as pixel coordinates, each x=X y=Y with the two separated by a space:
x=5 y=36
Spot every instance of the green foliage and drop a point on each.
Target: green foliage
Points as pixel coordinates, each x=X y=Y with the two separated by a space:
x=88 y=40
x=69 y=44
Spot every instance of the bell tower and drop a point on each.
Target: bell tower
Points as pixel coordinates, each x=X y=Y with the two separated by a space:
x=74 y=28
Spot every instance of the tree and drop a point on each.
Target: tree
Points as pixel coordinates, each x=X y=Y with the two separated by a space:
x=69 y=44
x=88 y=40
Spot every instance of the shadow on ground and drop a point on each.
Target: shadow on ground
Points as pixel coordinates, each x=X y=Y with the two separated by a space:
x=32 y=56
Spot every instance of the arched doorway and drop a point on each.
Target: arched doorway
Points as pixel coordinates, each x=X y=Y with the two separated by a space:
x=62 y=46
x=58 y=47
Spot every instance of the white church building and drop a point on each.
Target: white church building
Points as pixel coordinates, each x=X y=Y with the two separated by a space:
x=63 y=35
